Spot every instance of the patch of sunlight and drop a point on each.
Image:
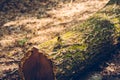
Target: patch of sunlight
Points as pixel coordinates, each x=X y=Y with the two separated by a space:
x=5 y=43
x=51 y=30
x=49 y=45
x=39 y=38
x=8 y=40
x=30 y=23
x=69 y=12
x=68 y=35
x=64 y=14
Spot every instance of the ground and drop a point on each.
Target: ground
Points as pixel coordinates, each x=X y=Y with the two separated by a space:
x=110 y=70
x=25 y=25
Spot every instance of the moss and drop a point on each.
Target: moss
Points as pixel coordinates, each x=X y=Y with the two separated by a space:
x=67 y=35
x=81 y=47
x=86 y=42
x=49 y=45
x=97 y=37
x=22 y=41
